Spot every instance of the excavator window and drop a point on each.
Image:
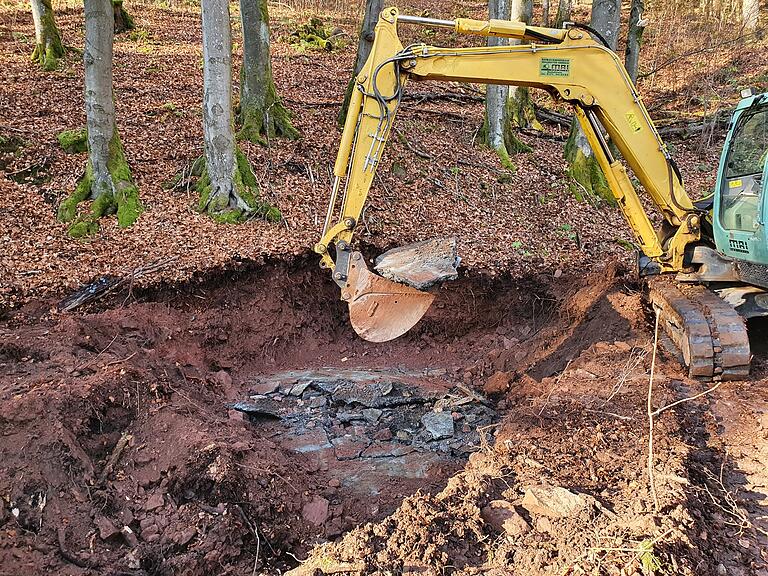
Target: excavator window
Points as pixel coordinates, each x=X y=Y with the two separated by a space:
x=742 y=185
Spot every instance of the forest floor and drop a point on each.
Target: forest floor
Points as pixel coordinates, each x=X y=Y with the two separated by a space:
x=218 y=415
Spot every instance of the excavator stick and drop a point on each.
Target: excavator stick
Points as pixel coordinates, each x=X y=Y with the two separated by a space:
x=379 y=309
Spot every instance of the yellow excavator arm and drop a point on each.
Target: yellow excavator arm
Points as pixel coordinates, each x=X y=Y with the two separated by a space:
x=569 y=64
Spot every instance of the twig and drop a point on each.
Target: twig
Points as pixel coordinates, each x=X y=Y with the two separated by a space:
x=255 y=533
x=120 y=361
x=412 y=148
x=651 y=480
x=115 y=456
x=92 y=360
x=699 y=395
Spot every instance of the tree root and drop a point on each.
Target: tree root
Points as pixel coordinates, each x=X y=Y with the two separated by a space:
x=120 y=195
x=239 y=204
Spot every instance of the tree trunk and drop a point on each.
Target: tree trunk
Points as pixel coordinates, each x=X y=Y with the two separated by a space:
x=606 y=19
x=228 y=188
x=634 y=38
x=519 y=111
x=563 y=13
x=496 y=97
x=107 y=180
x=372 y=10
x=48 y=45
x=123 y=20
x=750 y=14
x=545 y=13
x=583 y=167
x=262 y=115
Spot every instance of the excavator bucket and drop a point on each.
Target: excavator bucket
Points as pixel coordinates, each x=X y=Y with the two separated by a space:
x=379 y=309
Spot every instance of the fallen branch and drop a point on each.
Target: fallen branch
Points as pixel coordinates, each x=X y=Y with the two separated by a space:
x=108 y=284
x=420 y=153
x=455 y=97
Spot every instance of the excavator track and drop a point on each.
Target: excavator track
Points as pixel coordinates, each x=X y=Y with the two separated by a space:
x=708 y=332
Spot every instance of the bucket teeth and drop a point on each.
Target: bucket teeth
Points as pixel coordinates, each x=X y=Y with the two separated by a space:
x=709 y=333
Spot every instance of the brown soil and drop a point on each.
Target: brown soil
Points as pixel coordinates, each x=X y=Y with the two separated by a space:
x=165 y=434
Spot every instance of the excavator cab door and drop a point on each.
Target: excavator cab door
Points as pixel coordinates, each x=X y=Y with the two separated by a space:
x=741 y=199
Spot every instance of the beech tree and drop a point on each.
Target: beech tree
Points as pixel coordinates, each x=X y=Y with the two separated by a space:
x=228 y=187
x=48 y=45
x=107 y=179
x=634 y=38
x=373 y=9
x=750 y=11
x=583 y=166
x=262 y=114
x=123 y=20
x=507 y=107
x=563 y=13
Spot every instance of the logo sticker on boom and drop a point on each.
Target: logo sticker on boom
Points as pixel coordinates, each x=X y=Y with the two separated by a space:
x=633 y=122
x=557 y=67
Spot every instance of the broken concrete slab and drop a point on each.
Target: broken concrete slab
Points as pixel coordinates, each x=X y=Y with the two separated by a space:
x=421 y=264
x=555 y=501
x=438 y=424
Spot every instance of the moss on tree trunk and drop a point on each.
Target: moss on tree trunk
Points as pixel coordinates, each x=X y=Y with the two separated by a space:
x=123 y=20
x=238 y=204
x=583 y=168
x=261 y=120
x=262 y=114
x=48 y=45
x=111 y=193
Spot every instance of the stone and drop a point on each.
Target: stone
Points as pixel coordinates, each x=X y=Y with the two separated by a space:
x=497 y=383
x=543 y=525
x=372 y=415
x=316 y=511
x=555 y=501
x=438 y=424
x=154 y=502
x=185 y=536
x=299 y=388
x=503 y=517
x=129 y=537
x=421 y=264
x=622 y=346
x=403 y=435
x=223 y=378
x=318 y=402
x=106 y=527
x=383 y=434
x=269 y=387
x=347 y=448
x=334 y=483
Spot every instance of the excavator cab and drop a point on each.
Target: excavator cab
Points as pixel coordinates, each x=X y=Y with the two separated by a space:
x=741 y=195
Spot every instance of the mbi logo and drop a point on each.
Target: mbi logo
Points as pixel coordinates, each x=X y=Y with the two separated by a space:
x=739 y=245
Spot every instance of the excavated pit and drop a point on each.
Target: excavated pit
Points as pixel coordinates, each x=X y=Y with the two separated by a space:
x=230 y=424
x=237 y=420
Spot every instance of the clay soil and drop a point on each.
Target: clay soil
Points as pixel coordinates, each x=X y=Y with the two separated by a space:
x=219 y=416
x=122 y=452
